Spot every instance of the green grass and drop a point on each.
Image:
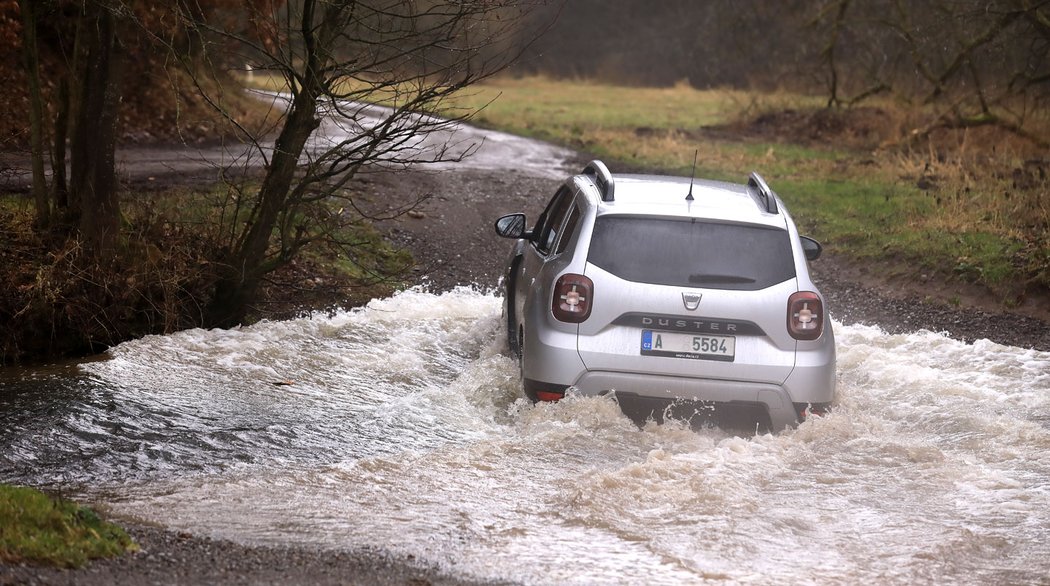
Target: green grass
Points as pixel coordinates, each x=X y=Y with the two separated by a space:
x=40 y=529
x=561 y=109
x=864 y=204
x=363 y=255
x=564 y=110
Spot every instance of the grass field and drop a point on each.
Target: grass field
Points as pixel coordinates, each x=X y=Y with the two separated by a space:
x=968 y=204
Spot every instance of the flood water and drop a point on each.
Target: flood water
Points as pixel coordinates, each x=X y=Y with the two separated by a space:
x=401 y=426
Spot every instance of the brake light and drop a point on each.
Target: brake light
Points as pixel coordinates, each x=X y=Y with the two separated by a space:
x=805 y=315
x=572 y=298
x=549 y=396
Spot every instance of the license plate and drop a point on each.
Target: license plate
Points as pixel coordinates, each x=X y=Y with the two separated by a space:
x=696 y=346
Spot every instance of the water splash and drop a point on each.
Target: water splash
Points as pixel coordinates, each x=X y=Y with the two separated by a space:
x=404 y=427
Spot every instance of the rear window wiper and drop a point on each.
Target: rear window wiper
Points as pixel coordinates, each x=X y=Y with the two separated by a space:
x=702 y=279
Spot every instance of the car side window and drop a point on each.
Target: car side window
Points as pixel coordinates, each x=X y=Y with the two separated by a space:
x=544 y=218
x=569 y=229
x=549 y=225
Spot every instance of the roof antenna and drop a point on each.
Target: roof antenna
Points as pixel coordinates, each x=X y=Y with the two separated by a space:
x=689 y=196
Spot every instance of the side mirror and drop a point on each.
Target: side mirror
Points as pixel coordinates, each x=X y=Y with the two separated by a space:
x=511 y=226
x=811 y=248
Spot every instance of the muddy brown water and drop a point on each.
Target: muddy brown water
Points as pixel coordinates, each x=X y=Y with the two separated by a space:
x=401 y=426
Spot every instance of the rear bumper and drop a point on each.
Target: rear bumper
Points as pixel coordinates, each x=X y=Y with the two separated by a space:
x=735 y=416
x=650 y=396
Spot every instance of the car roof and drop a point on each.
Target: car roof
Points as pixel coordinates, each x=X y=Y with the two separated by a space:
x=662 y=195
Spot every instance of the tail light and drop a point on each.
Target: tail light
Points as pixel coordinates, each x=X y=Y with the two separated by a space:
x=538 y=391
x=572 y=298
x=549 y=396
x=805 y=316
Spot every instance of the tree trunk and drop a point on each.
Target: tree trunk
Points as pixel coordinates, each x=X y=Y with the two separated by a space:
x=240 y=283
x=92 y=154
x=59 y=189
x=36 y=112
x=76 y=80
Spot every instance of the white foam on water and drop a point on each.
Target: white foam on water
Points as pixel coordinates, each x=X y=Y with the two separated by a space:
x=404 y=428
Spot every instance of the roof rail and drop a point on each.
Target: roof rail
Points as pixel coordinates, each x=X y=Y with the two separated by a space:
x=602 y=179
x=762 y=193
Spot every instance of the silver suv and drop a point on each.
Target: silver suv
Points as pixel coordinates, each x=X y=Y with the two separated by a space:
x=685 y=298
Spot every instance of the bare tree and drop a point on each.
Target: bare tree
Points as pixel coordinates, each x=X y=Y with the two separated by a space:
x=975 y=61
x=377 y=73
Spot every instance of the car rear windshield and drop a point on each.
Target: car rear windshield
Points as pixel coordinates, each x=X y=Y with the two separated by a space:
x=691 y=253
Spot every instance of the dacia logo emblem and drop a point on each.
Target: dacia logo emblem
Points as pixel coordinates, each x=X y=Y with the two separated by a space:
x=691 y=300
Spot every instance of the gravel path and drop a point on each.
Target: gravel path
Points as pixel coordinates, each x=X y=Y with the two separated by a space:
x=167 y=557
x=451 y=235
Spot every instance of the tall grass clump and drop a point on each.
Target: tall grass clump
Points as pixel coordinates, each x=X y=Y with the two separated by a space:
x=37 y=528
